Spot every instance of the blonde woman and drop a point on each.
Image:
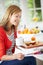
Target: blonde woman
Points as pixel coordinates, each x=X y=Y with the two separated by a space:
x=8 y=34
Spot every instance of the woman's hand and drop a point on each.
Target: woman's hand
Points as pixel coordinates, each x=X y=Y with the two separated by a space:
x=19 y=56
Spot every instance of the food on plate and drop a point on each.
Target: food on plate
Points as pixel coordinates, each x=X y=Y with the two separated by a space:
x=31 y=43
x=33 y=38
x=34 y=30
x=27 y=43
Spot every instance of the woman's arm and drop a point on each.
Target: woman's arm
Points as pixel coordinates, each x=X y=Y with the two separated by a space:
x=3 y=55
x=18 y=56
x=8 y=57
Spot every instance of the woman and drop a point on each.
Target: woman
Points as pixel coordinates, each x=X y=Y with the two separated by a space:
x=8 y=28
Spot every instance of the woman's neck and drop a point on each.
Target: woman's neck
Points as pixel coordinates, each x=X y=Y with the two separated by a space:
x=10 y=31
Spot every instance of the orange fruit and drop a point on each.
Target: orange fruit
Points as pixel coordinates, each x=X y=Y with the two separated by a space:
x=33 y=38
x=25 y=31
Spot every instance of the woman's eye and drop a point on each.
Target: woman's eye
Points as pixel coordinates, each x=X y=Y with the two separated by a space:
x=20 y=16
x=16 y=16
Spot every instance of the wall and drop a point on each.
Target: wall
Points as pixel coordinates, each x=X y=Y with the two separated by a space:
x=6 y=3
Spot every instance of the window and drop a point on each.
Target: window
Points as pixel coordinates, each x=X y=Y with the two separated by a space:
x=34 y=7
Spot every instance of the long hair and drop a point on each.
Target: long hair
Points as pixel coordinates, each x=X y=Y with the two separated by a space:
x=10 y=10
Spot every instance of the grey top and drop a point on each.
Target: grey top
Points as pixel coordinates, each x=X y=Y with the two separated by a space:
x=11 y=38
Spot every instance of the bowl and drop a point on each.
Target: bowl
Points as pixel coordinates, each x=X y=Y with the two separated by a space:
x=26 y=37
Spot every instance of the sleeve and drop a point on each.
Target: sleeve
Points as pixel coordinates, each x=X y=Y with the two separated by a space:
x=2 y=46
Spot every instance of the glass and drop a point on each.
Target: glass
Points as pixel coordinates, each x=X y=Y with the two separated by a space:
x=30 y=3
x=37 y=3
x=39 y=14
x=31 y=14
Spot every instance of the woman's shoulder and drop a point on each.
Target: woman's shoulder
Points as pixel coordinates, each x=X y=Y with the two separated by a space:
x=2 y=30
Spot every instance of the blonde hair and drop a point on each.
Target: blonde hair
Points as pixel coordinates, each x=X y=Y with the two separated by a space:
x=11 y=9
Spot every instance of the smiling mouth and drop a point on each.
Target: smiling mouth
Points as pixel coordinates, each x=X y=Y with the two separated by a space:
x=16 y=21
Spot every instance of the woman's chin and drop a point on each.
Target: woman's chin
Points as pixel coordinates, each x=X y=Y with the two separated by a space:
x=16 y=25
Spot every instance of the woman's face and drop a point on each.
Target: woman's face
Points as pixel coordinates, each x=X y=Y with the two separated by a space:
x=15 y=19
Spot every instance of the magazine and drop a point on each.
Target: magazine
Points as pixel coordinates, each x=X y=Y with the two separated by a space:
x=29 y=50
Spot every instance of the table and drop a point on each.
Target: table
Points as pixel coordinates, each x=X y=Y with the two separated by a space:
x=27 y=52
x=40 y=57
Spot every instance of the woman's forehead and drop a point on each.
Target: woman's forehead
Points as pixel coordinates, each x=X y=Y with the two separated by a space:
x=19 y=13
